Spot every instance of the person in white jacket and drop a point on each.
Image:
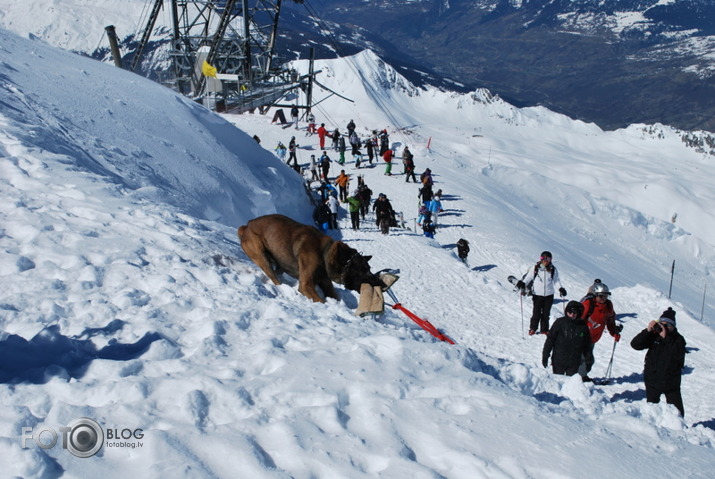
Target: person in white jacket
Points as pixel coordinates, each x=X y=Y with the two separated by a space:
x=333 y=205
x=542 y=280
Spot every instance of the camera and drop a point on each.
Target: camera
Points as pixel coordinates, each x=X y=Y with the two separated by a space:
x=657 y=328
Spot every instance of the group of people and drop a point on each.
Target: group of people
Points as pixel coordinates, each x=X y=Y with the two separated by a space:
x=571 y=339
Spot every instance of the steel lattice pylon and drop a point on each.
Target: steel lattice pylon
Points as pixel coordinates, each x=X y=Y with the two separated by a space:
x=237 y=37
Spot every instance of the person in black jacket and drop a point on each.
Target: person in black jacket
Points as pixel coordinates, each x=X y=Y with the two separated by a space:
x=383 y=213
x=664 y=360
x=570 y=340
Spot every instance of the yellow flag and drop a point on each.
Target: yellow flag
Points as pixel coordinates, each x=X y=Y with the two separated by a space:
x=208 y=70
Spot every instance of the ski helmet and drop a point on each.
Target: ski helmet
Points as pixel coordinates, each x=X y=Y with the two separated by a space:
x=600 y=288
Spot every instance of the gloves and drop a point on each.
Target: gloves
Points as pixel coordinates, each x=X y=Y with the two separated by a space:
x=545 y=362
x=562 y=292
x=520 y=285
x=616 y=337
x=619 y=328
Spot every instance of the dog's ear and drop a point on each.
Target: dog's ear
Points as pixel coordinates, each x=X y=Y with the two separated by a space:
x=367 y=258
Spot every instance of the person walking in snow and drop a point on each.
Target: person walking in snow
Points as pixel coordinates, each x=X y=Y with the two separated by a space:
x=426 y=178
x=369 y=149
x=409 y=169
x=325 y=165
x=365 y=194
x=292 y=148
x=543 y=278
x=664 y=361
x=425 y=194
x=568 y=340
x=342 y=181
x=341 y=149
x=354 y=204
x=599 y=316
x=383 y=213
x=435 y=208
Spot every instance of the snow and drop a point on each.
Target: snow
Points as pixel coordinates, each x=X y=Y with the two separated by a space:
x=127 y=299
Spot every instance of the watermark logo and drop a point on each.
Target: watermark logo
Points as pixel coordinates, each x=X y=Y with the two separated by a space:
x=83 y=437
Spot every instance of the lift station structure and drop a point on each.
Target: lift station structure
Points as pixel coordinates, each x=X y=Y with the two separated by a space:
x=238 y=39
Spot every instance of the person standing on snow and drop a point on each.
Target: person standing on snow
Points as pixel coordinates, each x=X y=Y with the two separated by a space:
x=342 y=181
x=294 y=115
x=333 y=204
x=292 y=148
x=664 y=360
x=325 y=165
x=314 y=169
x=569 y=340
x=322 y=133
x=354 y=205
x=387 y=156
x=383 y=213
x=543 y=278
x=599 y=316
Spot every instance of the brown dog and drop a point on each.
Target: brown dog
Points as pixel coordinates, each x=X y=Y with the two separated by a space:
x=278 y=244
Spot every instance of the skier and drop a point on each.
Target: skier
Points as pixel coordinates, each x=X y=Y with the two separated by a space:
x=281 y=151
x=569 y=340
x=463 y=249
x=599 y=315
x=311 y=125
x=542 y=278
x=664 y=360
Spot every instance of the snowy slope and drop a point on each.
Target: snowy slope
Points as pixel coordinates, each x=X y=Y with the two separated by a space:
x=127 y=298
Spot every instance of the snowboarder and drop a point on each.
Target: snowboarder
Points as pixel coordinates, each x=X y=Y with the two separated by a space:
x=542 y=280
x=664 y=360
x=569 y=340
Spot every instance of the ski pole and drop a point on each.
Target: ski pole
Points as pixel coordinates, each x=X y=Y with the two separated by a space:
x=610 y=363
x=521 y=304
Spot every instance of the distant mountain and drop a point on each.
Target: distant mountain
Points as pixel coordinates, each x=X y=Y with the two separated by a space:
x=610 y=62
x=614 y=62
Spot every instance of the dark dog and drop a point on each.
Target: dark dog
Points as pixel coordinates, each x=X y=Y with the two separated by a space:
x=278 y=244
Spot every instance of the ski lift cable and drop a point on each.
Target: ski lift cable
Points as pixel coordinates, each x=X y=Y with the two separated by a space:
x=376 y=97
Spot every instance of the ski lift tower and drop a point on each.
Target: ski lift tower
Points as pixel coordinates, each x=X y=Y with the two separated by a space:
x=237 y=38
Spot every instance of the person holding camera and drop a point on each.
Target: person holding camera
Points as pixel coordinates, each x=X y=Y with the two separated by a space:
x=664 y=360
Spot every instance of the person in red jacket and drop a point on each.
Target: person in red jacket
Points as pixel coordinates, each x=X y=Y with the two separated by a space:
x=322 y=133
x=599 y=316
x=387 y=156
